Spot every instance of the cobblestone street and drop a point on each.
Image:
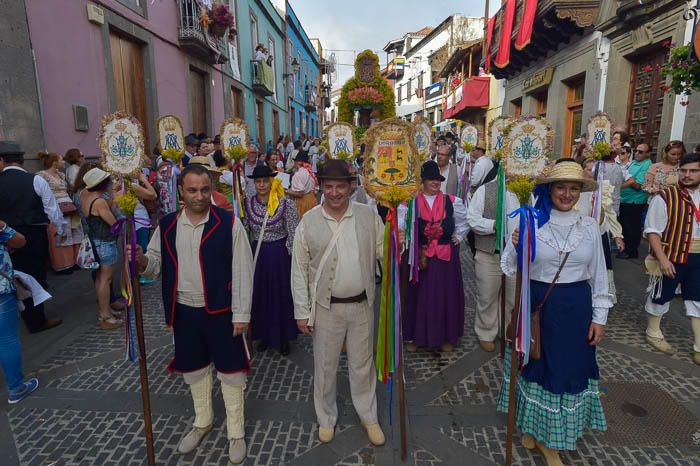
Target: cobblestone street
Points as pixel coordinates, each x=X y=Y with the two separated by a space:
x=88 y=410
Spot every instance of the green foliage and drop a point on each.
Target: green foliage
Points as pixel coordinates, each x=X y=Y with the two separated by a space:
x=683 y=69
x=388 y=107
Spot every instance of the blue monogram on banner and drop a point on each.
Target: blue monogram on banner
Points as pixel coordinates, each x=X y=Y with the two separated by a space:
x=499 y=142
x=526 y=149
x=599 y=136
x=341 y=144
x=122 y=148
x=234 y=141
x=420 y=141
x=172 y=142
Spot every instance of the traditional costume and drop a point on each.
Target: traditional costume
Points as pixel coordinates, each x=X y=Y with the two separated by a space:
x=557 y=396
x=433 y=308
x=481 y=218
x=333 y=285
x=674 y=215
x=304 y=182
x=207 y=273
x=271 y=227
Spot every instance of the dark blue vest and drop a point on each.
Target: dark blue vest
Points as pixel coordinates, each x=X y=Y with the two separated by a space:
x=215 y=258
x=448 y=224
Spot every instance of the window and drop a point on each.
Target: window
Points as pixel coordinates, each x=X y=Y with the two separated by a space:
x=541 y=104
x=574 y=111
x=236 y=103
x=408 y=89
x=260 y=121
x=290 y=45
x=271 y=49
x=254 y=30
x=420 y=84
x=517 y=107
x=198 y=96
x=398 y=94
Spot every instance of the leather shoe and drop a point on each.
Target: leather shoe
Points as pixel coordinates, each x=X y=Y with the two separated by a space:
x=193 y=438
x=375 y=434
x=237 y=450
x=696 y=358
x=50 y=323
x=487 y=346
x=661 y=344
x=326 y=434
x=447 y=348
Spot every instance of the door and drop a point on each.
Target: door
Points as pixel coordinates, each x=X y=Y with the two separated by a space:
x=646 y=98
x=129 y=78
x=260 y=121
x=198 y=95
x=236 y=103
x=275 y=126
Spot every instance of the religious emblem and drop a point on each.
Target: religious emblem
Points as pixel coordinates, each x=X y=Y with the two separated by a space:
x=366 y=69
x=527 y=147
x=340 y=141
x=392 y=163
x=171 y=136
x=423 y=139
x=599 y=128
x=496 y=137
x=121 y=144
x=469 y=135
x=234 y=133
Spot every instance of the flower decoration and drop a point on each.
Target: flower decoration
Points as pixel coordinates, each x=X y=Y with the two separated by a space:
x=204 y=19
x=683 y=70
x=395 y=196
x=467 y=146
x=365 y=96
x=601 y=149
x=344 y=155
x=236 y=153
x=172 y=154
x=522 y=187
x=498 y=154
x=127 y=202
x=220 y=14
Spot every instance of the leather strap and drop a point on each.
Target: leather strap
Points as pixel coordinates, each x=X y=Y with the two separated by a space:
x=352 y=299
x=551 y=285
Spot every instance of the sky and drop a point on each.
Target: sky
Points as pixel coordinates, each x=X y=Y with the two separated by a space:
x=351 y=26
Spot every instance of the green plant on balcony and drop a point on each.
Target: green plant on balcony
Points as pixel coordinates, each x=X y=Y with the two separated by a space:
x=682 y=70
x=218 y=18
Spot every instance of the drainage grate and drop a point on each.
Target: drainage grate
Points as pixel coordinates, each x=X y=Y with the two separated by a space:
x=642 y=414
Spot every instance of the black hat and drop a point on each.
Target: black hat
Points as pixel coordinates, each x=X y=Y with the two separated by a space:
x=335 y=169
x=10 y=148
x=262 y=171
x=191 y=140
x=441 y=138
x=302 y=156
x=430 y=171
x=449 y=135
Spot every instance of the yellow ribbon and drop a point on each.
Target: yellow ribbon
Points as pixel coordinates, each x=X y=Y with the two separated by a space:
x=276 y=191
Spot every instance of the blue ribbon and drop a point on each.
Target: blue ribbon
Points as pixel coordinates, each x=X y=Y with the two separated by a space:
x=527 y=214
x=118 y=227
x=543 y=203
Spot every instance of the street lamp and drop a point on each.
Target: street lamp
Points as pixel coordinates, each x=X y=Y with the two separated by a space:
x=295 y=68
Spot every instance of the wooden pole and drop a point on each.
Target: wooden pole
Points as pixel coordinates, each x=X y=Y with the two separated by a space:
x=510 y=429
x=143 y=367
x=503 y=317
x=402 y=399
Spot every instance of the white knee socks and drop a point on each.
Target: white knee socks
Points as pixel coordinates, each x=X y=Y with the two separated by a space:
x=234 y=401
x=201 y=395
x=654 y=326
x=695 y=322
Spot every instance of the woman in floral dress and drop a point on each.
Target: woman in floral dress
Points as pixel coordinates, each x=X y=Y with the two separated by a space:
x=273 y=309
x=664 y=174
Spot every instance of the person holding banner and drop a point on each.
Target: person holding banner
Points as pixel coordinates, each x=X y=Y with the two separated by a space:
x=557 y=395
x=271 y=219
x=336 y=248
x=204 y=256
x=434 y=309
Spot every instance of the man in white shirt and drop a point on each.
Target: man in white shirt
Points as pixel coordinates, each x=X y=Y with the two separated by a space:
x=673 y=229
x=208 y=317
x=448 y=170
x=482 y=218
x=336 y=247
x=481 y=166
x=28 y=205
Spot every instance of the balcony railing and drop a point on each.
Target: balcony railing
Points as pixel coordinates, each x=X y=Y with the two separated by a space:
x=310 y=99
x=263 y=78
x=196 y=39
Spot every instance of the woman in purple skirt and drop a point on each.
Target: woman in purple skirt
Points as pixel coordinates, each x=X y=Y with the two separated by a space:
x=273 y=218
x=433 y=308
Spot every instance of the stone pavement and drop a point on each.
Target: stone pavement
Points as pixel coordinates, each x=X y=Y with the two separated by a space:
x=88 y=410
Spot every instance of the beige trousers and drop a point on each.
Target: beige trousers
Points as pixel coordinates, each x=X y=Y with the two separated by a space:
x=354 y=324
x=488 y=293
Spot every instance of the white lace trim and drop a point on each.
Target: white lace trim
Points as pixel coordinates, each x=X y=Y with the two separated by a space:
x=586 y=392
x=580 y=231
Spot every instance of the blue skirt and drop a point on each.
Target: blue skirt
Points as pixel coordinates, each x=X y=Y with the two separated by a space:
x=272 y=313
x=568 y=362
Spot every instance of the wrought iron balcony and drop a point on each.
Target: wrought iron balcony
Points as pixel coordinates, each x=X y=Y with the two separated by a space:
x=195 y=38
x=310 y=99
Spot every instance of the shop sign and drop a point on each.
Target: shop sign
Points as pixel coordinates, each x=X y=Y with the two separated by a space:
x=538 y=80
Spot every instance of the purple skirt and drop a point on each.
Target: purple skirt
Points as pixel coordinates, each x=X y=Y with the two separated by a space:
x=272 y=312
x=433 y=309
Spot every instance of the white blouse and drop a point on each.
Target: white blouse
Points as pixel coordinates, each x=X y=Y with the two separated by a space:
x=575 y=233
x=459 y=213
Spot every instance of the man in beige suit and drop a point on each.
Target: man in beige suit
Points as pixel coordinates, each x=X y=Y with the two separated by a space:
x=336 y=247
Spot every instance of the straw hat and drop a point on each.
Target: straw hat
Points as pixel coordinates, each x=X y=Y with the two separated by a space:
x=568 y=170
x=94 y=177
x=203 y=161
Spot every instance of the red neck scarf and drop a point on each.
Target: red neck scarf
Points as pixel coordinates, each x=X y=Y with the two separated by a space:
x=433 y=229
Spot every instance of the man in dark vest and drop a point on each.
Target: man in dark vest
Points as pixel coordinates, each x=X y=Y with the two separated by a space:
x=204 y=257
x=27 y=205
x=673 y=229
x=481 y=218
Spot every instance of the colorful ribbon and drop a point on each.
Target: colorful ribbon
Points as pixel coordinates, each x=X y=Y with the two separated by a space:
x=276 y=193
x=501 y=214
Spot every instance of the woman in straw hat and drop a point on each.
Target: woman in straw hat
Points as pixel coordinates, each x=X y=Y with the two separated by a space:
x=99 y=218
x=272 y=218
x=557 y=395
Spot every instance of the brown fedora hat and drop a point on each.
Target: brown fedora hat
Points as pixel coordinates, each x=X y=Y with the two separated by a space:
x=335 y=169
